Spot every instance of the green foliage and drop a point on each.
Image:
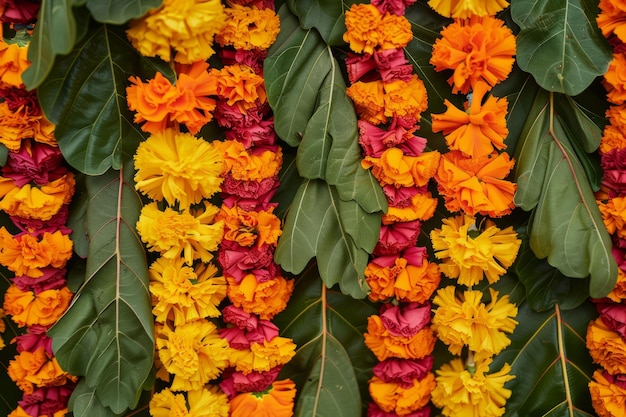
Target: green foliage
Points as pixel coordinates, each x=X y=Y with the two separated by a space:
x=560 y=43
x=84 y=95
x=565 y=225
x=120 y=11
x=340 y=234
x=332 y=364
x=326 y=16
x=107 y=333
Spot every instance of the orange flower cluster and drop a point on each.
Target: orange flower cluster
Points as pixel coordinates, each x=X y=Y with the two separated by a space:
x=249 y=28
x=13 y=60
x=20 y=121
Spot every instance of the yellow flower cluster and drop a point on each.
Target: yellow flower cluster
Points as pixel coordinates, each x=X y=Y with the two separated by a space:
x=249 y=28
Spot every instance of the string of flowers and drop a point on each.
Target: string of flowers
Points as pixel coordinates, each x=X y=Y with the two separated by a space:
x=606 y=336
x=389 y=99
x=35 y=190
x=471 y=178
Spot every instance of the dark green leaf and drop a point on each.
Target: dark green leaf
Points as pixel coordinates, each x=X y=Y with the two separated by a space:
x=107 y=333
x=76 y=219
x=85 y=97
x=332 y=363
x=560 y=43
x=84 y=403
x=120 y=11
x=290 y=181
x=338 y=233
x=565 y=225
x=551 y=363
x=326 y=16
x=545 y=285
x=56 y=33
x=4 y=154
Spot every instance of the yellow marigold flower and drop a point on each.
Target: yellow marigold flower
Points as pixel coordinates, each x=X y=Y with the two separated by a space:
x=608 y=394
x=395 y=168
x=187 y=26
x=245 y=166
x=465 y=321
x=207 y=401
x=249 y=228
x=395 y=31
x=13 y=63
x=467 y=8
x=179 y=167
x=469 y=255
x=387 y=345
x=396 y=399
x=239 y=85
x=192 y=233
x=26 y=254
x=265 y=299
x=277 y=401
x=181 y=293
x=478 y=48
x=462 y=393
x=405 y=99
x=606 y=347
x=193 y=352
x=261 y=357
x=369 y=100
x=249 y=28
x=362 y=32
x=41 y=202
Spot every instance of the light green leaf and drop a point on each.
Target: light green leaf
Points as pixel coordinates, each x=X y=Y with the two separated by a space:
x=107 y=333
x=56 y=33
x=118 y=12
x=326 y=16
x=565 y=225
x=560 y=44
x=338 y=233
x=332 y=363
x=85 y=96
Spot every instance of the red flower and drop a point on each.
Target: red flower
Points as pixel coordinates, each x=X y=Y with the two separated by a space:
x=19 y=11
x=403 y=371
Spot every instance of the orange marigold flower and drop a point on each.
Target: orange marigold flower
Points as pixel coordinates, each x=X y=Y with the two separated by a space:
x=277 y=401
x=249 y=228
x=369 y=100
x=405 y=99
x=152 y=101
x=606 y=347
x=612 y=138
x=464 y=9
x=239 y=85
x=614 y=215
x=207 y=401
x=608 y=394
x=618 y=293
x=615 y=79
x=249 y=28
x=479 y=48
x=262 y=357
x=391 y=397
x=26 y=254
x=387 y=345
x=35 y=369
x=395 y=31
x=13 y=63
x=22 y=124
x=476 y=185
x=395 y=168
x=187 y=26
x=362 y=32
x=27 y=309
x=480 y=129
x=265 y=299
x=39 y=202
x=612 y=18
x=192 y=233
x=246 y=166
x=422 y=207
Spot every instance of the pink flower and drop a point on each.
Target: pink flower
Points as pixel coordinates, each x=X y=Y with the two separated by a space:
x=375 y=140
x=238 y=261
x=230 y=116
x=18 y=97
x=234 y=382
x=35 y=338
x=56 y=222
x=249 y=189
x=403 y=371
x=407 y=320
x=614 y=165
x=46 y=401
x=393 y=65
x=396 y=7
x=235 y=337
x=361 y=66
x=374 y=411
x=36 y=162
x=252 y=58
x=258 y=134
x=401 y=196
x=397 y=237
x=240 y=318
x=613 y=316
x=52 y=279
x=22 y=12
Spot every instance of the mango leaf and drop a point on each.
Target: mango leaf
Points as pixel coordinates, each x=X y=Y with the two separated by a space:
x=76 y=220
x=551 y=363
x=107 y=333
x=326 y=16
x=84 y=403
x=545 y=285
x=565 y=224
x=340 y=234
x=120 y=11
x=307 y=93
x=332 y=363
x=84 y=96
x=56 y=33
x=560 y=44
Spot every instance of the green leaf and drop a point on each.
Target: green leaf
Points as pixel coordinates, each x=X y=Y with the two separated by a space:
x=560 y=44
x=551 y=363
x=85 y=96
x=56 y=33
x=565 y=225
x=76 y=219
x=107 y=333
x=340 y=234
x=326 y=16
x=118 y=12
x=84 y=403
x=545 y=285
x=332 y=363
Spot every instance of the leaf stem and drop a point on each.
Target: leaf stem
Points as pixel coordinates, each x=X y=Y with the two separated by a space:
x=323 y=352
x=568 y=396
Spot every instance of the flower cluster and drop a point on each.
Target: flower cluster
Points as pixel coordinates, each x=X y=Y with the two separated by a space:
x=243 y=352
x=389 y=99
x=471 y=178
x=606 y=336
x=35 y=191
